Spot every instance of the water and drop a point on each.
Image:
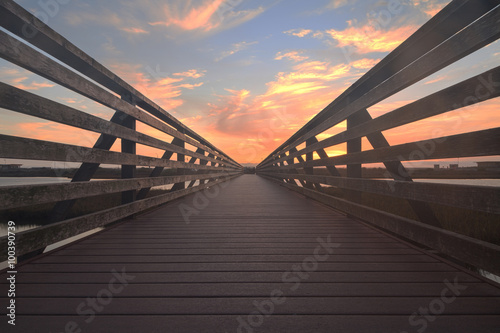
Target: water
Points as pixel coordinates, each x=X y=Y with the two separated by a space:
x=474 y=182
x=15 y=181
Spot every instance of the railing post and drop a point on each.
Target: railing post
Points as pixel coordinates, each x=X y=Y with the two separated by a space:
x=310 y=157
x=354 y=146
x=181 y=158
x=130 y=147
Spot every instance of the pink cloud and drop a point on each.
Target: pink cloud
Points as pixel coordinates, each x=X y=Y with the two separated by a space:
x=22 y=79
x=166 y=91
x=34 y=85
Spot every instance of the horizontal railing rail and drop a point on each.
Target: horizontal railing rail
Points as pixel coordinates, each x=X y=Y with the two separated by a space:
x=42 y=51
x=302 y=162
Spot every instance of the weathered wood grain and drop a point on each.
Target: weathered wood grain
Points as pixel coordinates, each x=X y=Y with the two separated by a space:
x=32 y=240
x=192 y=285
x=466 y=249
x=25 y=25
x=478 y=198
x=468 y=92
x=453 y=18
x=22 y=148
x=479 y=143
x=27 y=195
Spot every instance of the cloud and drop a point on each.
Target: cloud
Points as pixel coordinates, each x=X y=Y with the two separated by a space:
x=205 y=16
x=334 y=4
x=293 y=55
x=163 y=89
x=137 y=31
x=189 y=17
x=431 y=8
x=365 y=63
x=23 y=79
x=192 y=73
x=55 y=132
x=367 y=39
x=476 y=117
x=441 y=78
x=237 y=47
x=122 y=20
x=253 y=124
x=298 y=32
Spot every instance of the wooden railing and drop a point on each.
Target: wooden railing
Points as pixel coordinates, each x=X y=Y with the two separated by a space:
x=207 y=165
x=460 y=29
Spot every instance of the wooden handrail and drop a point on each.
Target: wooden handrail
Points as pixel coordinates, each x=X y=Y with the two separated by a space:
x=72 y=68
x=460 y=29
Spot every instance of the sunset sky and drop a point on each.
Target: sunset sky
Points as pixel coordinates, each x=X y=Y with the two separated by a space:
x=245 y=74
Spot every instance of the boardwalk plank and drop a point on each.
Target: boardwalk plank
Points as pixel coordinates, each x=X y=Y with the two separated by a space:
x=271 y=324
x=245 y=305
x=206 y=273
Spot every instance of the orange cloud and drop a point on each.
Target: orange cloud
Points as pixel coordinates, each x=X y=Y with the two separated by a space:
x=294 y=56
x=368 y=39
x=34 y=86
x=307 y=77
x=365 y=63
x=251 y=126
x=473 y=118
x=432 y=9
x=55 y=132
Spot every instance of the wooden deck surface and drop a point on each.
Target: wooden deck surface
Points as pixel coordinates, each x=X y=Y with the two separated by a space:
x=253 y=258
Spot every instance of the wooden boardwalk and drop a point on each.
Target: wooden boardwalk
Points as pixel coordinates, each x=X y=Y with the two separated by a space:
x=255 y=257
